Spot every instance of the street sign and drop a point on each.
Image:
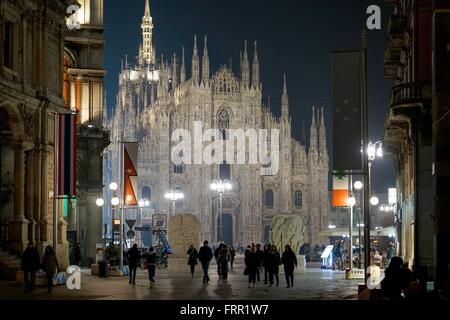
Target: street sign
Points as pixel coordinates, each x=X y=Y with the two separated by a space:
x=160 y=221
x=131 y=234
x=142 y=229
x=130 y=223
x=160 y=232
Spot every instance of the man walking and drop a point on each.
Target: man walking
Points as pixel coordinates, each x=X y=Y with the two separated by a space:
x=133 y=258
x=204 y=256
x=29 y=265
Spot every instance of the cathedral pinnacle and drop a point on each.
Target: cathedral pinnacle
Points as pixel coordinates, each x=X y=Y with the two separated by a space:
x=284 y=100
x=255 y=69
x=195 y=63
x=245 y=70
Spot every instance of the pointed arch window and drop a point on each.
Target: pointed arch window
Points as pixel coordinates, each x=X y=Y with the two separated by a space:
x=268 y=198
x=298 y=199
x=147 y=193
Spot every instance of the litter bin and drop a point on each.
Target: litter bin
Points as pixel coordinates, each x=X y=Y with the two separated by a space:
x=348 y=274
x=103 y=269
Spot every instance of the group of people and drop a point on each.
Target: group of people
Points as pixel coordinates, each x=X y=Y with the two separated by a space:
x=223 y=254
x=268 y=261
x=256 y=260
x=134 y=260
x=31 y=263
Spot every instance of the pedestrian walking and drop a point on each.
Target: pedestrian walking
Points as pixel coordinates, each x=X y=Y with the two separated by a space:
x=133 y=257
x=216 y=257
x=222 y=261
x=29 y=265
x=232 y=255
x=150 y=263
x=204 y=256
x=265 y=260
x=289 y=260
x=77 y=254
x=390 y=253
x=50 y=266
x=192 y=260
x=259 y=255
x=273 y=263
x=251 y=266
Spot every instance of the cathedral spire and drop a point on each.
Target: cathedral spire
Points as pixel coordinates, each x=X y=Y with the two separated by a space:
x=323 y=139
x=313 y=134
x=245 y=71
x=205 y=64
x=147 y=54
x=147 y=8
x=174 y=72
x=284 y=101
x=255 y=68
x=195 y=64
x=183 y=67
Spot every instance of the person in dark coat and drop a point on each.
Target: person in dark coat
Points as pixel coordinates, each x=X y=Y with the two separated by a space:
x=204 y=256
x=289 y=260
x=251 y=264
x=232 y=255
x=29 y=265
x=192 y=260
x=222 y=262
x=133 y=257
x=50 y=266
x=273 y=263
x=216 y=257
x=78 y=256
x=259 y=255
x=150 y=262
x=265 y=256
x=396 y=279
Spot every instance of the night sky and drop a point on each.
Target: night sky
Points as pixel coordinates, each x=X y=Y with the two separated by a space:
x=294 y=37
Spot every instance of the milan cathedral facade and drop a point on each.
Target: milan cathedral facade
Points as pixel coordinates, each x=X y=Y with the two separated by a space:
x=156 y=97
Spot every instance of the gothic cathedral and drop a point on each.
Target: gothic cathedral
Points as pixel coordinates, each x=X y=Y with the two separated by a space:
x=156 y=96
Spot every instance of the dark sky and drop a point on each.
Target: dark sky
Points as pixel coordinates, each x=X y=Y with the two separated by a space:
x=294 y=37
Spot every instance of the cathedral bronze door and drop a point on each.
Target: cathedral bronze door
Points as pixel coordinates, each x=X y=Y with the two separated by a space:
x=225 y=228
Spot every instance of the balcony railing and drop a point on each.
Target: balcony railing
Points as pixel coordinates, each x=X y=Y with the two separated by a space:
x=411 y=93
x=398 y=24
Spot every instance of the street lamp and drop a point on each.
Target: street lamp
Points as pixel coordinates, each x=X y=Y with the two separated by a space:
x=358 y=185
x=221 y=186
x=374 y=200
x=174 y=196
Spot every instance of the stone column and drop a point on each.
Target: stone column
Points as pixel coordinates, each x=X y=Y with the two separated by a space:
x=18 y=226
x=37 y=193
x=29 y=191
x=45 y=229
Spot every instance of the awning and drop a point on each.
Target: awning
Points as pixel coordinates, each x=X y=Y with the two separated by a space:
x=343 y=231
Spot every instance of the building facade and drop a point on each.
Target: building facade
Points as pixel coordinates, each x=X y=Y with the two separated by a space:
x=31 y=82
x=84 y=94
x=410 y=132
x=156 y=98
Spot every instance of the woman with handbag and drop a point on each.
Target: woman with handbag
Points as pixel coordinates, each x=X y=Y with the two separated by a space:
x=49 y=265
x=193 y=257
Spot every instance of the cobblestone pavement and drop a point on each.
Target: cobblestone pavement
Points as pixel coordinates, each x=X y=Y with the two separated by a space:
x=315 y=284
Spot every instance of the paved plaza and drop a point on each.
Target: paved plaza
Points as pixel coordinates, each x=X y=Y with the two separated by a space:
x=315 y=284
